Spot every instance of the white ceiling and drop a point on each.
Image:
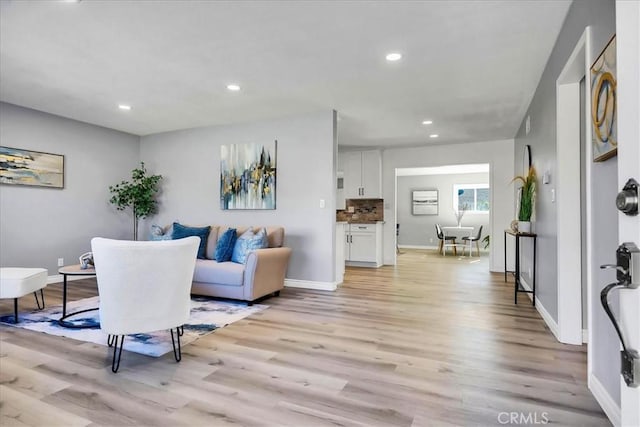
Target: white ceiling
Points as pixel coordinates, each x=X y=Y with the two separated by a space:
x=470 y=66
x=444 y=170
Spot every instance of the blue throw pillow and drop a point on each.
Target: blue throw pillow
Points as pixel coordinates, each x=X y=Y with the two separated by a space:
x=180 y=232
x=247 y=243
x=224 y=247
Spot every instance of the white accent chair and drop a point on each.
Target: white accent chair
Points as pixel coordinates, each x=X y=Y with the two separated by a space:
x=143 y=287
x=17 y=282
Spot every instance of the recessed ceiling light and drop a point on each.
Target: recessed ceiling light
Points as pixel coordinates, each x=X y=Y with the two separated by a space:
x=393 y=56
x=427 y=122
x=434 y=135
x=70 y=1
x=233 y=87
x=124 y=107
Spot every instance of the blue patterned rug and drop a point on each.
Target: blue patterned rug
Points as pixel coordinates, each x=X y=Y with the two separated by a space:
x=207 y=315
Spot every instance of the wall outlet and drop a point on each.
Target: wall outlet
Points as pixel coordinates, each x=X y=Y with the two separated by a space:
x=322 y=203
x=431 y=240
x=60 y=262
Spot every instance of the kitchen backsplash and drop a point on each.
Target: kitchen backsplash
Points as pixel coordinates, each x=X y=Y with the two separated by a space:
x=364 y=210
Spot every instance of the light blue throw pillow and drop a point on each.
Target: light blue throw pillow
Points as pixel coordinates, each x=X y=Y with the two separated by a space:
x=158 y=233
x=247 y=243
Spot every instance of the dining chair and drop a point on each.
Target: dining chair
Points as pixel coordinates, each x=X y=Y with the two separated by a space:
x=471 y=239
x=442 y=238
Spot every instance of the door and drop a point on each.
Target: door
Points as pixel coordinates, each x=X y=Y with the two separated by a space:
x=628 y=88
x=371 y=175
x=363 y=246
x=353 y=175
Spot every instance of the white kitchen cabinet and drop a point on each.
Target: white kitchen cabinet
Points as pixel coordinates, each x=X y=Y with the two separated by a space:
x=363 y=244
x=362 y=174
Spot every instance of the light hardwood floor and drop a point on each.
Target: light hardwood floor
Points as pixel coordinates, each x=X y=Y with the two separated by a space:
x=433 y=341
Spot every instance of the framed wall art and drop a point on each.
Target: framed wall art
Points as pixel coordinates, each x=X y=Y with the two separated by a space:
x=424 y=202
x=604 y=104
x=32 y=168
x=248 y=176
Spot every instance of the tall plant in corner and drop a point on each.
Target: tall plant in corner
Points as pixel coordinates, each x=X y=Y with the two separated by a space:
x=138 y=194
x=527 y=196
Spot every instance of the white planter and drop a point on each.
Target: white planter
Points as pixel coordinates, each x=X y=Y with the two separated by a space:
x=524 y=226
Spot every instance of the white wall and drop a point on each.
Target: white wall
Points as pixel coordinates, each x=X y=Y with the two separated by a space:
x=40 y=225
x=419 y=230
x=499 y=154
x=189 y=161
x=600 y=15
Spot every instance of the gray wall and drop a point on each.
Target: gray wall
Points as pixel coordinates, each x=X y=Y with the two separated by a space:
x=40 y=225
x=189 y=160
x=499 y=155
x=419 y=230
x=600 y=14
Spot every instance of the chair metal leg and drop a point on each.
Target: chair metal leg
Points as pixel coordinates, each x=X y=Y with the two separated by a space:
x=177 y=354
x=38 y=302
x=111 y=339
x=117 y=352
x=15 y=309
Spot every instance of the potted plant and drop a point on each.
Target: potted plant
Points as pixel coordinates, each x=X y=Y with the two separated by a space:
x=139 y=194
x=527 y=199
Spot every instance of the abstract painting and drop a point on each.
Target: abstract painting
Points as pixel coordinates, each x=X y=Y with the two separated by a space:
x=425 y=202
x=604 y=104
x=248 y=176
x=25 y=167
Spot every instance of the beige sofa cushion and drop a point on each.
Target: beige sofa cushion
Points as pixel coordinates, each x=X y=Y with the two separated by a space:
x=222 y=273
x=212 y=241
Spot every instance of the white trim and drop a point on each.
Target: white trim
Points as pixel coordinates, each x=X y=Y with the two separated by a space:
x=58 y=278
x=585 y=336
x=417 y=247
x=551 y=324
x=605 y=400
x=569 y=271
x=309 y=284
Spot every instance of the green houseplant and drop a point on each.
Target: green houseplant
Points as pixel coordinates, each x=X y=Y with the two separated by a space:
x=527 y=199
x=138 y=194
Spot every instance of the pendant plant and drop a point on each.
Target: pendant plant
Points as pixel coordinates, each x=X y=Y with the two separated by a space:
x=527 y=194
x=139 y=195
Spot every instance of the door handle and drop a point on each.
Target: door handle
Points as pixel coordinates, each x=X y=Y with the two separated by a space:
x=628 y=263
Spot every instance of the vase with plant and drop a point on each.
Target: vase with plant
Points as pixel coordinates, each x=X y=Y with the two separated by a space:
x=138 y=194
x=527 y=199
x=460 y=213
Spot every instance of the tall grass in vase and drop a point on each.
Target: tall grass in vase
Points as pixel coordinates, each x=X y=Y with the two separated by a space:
x=527 y=199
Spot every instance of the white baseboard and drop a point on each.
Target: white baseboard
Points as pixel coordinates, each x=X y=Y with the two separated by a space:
x=417 y=247
x=608 y=405
x=58 y=278
x=551 y=324
x=585 y=336
x=308 y=284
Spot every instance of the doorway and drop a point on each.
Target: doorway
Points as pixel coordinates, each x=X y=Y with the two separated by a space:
x=426 y=196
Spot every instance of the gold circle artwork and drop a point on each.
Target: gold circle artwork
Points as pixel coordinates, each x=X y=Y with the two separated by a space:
x=604 y=104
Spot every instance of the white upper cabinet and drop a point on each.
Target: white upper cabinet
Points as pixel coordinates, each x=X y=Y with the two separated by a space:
x=362 y=174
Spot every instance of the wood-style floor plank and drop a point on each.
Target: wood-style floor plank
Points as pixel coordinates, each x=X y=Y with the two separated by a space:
x=433 y=341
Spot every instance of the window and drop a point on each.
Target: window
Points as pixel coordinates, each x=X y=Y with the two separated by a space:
x=476 y=197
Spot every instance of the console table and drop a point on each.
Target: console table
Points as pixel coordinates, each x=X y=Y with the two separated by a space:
x=516 y=274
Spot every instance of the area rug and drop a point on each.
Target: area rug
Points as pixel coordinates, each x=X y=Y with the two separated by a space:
x=207 y=315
